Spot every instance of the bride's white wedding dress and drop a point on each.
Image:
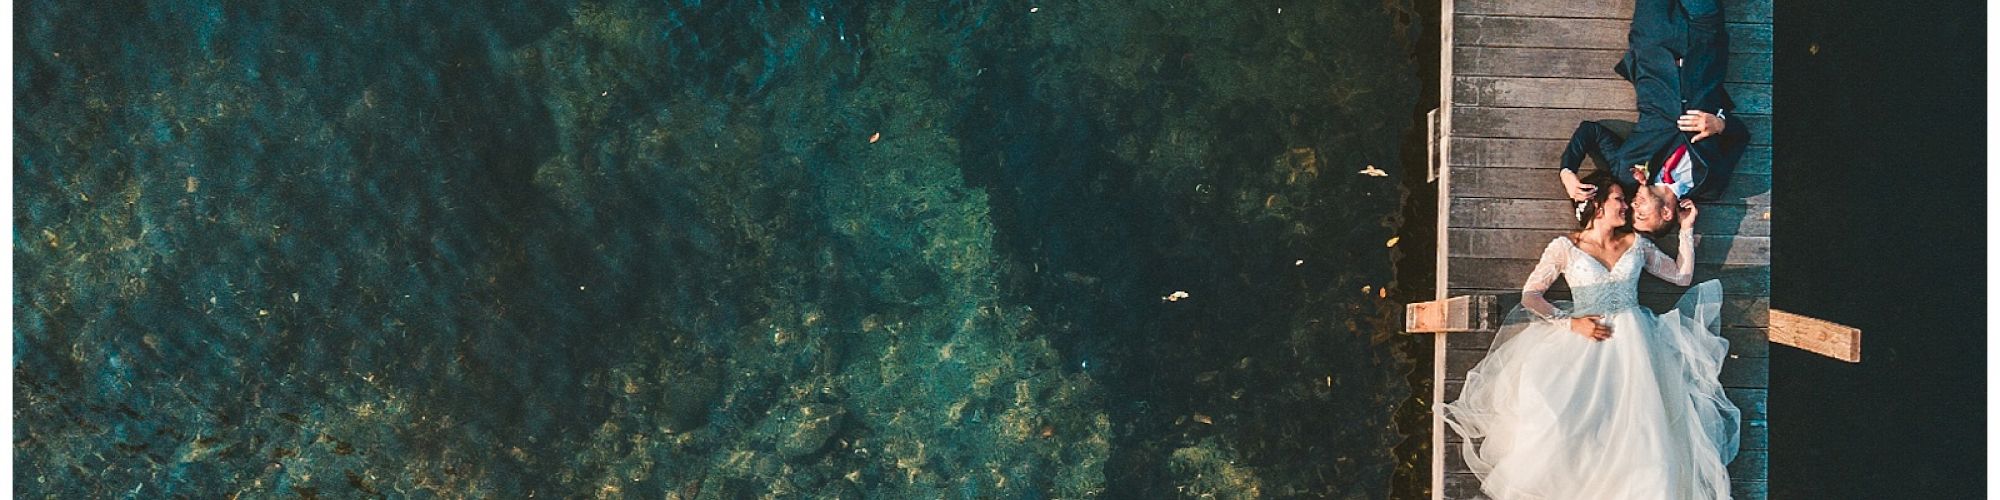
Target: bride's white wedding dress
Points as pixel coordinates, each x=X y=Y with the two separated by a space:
x=1551 y=414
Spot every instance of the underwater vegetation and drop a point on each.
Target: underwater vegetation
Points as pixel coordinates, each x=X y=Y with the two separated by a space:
x=703 y=249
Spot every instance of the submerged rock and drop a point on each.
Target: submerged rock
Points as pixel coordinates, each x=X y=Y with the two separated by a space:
x=1210 y=470
x=689 y=395
x=805 y=429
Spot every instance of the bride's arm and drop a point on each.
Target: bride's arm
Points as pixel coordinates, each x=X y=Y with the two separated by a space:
x=1679 y=271
x=1554 y=259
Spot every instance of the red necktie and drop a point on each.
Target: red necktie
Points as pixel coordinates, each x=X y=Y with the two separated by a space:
x=1673 y=160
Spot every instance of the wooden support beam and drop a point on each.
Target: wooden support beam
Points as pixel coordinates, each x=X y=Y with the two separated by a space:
x=1464 y=313
x=1827 y=338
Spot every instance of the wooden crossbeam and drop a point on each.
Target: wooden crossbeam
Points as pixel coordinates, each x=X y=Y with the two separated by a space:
x=1464 y=313
x=1826 y=338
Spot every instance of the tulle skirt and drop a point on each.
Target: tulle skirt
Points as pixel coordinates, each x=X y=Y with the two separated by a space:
x=1550 y=414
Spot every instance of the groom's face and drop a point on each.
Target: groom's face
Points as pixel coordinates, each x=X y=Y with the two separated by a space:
x=1650 y=210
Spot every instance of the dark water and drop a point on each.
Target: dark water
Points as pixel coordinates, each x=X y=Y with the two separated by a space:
x=1878 y=222
x=710 y=249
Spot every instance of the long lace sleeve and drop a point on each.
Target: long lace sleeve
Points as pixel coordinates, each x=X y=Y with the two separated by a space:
x=1679 y=271
x=1554 y=259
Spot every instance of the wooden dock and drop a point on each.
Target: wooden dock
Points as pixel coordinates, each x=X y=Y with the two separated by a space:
x=1519 y=76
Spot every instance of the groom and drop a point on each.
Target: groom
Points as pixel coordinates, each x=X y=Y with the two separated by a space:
x=1685 y=143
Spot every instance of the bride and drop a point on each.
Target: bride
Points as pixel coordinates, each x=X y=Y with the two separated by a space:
x=1602 y=399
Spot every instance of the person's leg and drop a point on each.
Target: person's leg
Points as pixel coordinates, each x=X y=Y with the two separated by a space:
x=1653 y=21
x=1706 y=56
x=1658 y=41
x=1702 y=9
x=1653 y=48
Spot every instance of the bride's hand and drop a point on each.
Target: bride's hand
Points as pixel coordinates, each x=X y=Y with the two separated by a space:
x=1589 y=327
x=1688 y=213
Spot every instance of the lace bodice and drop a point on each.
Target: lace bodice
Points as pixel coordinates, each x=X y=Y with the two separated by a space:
x=1599 y=289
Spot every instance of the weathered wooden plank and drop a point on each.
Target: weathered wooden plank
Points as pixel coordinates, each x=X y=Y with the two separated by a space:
x=1739 y=11
x=1539 y=32
x=1556 y=123
x=1749 y=38
x=1751 y=98
x=1464 y=313
x=1573 y=93
x=1743 y=341
x=1459 y=485
x=1751 y=465
x=1747 y=311
x=1508 y=213
x=1749 y=68
x=1737 y=279
x=1755 y=406
x=1826 y=338
x=1527 y=244
x=1471 y=30
x=1593 y=64
x=1547 y=154
x=1541 y=184
x=1755 y=435
x=1580 y=93
x=1749 y=490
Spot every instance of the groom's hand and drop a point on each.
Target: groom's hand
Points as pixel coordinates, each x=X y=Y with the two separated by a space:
x=1576 y=189
x=1589 y=326
x=1688 y=214
x=1702 y=123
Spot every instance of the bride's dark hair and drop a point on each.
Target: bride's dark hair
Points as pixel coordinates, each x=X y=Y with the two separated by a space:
x=1586 y=211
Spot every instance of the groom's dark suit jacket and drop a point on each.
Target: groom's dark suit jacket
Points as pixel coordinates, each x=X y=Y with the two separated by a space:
x=1676 y=55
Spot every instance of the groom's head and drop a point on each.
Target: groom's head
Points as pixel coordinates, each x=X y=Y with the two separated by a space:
x=1653 y=208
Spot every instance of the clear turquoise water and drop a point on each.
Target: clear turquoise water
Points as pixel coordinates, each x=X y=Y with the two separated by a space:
x=704 y=249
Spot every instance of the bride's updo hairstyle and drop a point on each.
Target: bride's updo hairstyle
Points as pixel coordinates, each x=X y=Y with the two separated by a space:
x=1586 y=211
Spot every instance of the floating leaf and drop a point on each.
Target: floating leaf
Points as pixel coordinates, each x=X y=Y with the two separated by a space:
x=876 y=137
x=1371 y=171
x=1203 y=419
x=1393 y=240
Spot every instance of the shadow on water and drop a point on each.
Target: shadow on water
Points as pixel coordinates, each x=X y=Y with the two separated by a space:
x=1416 y=260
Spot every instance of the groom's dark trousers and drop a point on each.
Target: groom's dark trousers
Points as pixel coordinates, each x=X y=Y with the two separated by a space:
x=1677 y=53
